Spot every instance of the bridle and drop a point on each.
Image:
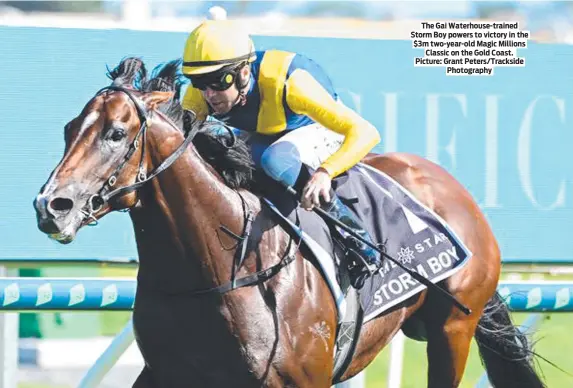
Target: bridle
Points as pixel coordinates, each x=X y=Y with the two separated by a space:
x=106 y=193
x=96 y=202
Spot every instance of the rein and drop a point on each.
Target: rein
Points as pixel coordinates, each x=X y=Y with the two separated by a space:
x=96 y=202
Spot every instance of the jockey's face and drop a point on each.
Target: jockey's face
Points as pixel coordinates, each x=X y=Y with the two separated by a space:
x=222 y=101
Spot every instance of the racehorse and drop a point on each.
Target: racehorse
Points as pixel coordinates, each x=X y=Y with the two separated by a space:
x=194 y=204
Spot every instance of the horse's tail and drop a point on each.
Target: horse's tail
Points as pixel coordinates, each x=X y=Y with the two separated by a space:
x=504 y=350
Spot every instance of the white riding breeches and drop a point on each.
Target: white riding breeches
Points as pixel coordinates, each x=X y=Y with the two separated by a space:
x=282 y=156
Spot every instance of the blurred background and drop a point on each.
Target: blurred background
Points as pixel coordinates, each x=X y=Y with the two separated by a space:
x=56 y=348
x=548 y=21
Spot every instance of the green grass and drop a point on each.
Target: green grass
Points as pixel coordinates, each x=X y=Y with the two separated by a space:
x=552 y=340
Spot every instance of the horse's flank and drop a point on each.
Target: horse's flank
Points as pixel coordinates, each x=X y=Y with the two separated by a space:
x=281 y=332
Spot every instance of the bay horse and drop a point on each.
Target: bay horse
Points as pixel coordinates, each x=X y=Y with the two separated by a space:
x=130 y=149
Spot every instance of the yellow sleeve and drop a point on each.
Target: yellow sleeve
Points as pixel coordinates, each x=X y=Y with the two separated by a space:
x=193 y=100
x=306 y=96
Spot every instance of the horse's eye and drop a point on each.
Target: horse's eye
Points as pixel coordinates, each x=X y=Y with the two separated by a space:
x=117 y=135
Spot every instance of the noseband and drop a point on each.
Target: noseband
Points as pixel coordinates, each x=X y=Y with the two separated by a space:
x=107 y=191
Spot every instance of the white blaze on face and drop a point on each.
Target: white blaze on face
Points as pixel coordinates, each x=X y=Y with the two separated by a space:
x=90 y=120
x=51 y=184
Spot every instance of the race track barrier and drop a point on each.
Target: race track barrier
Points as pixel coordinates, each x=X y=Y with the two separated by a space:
x=89 y=294
x=117 y=294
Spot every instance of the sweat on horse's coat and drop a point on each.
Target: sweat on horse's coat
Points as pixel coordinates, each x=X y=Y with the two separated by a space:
x=258 y=335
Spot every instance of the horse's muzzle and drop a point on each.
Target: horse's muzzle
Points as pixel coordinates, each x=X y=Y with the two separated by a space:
x=51 y=213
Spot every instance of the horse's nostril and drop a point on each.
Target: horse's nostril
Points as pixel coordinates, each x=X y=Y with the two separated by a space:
x=61 y=204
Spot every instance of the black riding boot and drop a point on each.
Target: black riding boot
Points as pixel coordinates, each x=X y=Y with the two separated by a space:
x=337 y=209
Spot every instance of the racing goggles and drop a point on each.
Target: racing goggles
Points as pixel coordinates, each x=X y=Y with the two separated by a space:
x=219 y=81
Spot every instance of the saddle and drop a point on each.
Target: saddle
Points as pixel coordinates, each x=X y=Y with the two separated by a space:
x=407 y=230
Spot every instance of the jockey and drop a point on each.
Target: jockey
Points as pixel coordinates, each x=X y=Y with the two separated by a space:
x=287 y=105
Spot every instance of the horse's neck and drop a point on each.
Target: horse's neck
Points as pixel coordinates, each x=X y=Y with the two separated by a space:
x=177 y=227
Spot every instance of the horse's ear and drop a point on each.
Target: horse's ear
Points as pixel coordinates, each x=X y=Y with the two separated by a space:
x=154 y=99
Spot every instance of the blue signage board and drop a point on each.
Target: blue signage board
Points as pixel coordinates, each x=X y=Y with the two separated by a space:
x=508 y=137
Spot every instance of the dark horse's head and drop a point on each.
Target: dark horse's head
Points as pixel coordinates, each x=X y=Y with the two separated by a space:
x=105 y=149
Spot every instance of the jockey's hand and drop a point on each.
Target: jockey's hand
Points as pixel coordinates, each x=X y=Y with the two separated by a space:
x=317 y=187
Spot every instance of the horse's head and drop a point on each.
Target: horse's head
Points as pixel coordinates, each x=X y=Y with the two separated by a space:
x=104 y=150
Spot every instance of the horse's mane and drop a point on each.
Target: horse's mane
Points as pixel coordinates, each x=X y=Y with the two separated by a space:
x=234 y=164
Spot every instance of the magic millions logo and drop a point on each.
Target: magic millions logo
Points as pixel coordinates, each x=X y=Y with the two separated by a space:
x=424 y=257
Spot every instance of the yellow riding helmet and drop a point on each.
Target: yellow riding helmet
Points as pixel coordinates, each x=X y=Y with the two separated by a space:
x=215 y=44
